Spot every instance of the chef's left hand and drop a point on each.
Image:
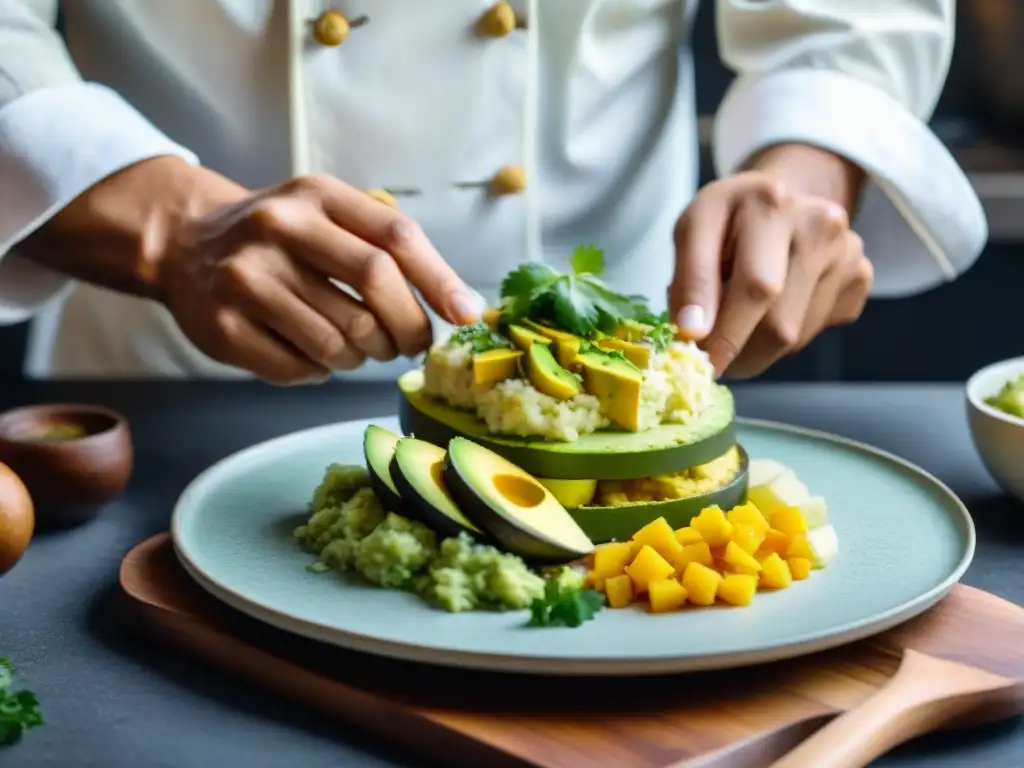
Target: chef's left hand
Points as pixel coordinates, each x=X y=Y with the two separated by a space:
x=763 y=266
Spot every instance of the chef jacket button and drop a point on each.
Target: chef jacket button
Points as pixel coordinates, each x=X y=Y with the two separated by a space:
x=509 y=180
x=331 y=28
x=382 y=196
x=498 y=21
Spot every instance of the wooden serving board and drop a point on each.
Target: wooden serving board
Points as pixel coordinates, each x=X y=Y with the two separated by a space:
x=746 y=717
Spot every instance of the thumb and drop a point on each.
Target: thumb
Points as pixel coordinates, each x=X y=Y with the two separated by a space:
x=697 y=284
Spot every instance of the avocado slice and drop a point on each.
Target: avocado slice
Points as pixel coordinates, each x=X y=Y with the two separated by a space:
x=619 y=523
x=517 y=511
x=417 y=472
x=496 y=365
x=614 y=381
x=605 y=455
x=523 y=337
x=379 y=449
x=633 y=330
x=547 y=376
x=552 y=333
x=492 y=317
x=570 y=493
x=638 y=353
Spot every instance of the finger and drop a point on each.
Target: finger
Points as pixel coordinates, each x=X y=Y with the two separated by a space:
x=322 y=246
x=375 y=277
x=818 y=245
x=853 y=298
x=261 y=290
x=700 y=235
x=763 y=241
x=403 y=239
x=244 y=344
x=349 y=315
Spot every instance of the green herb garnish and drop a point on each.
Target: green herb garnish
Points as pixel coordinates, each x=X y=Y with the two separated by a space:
x=19 y=710
x=564 y=606
x=480 y=336
x=579 y=302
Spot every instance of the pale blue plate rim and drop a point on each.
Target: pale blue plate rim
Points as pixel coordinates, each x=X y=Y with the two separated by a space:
x=652 y=664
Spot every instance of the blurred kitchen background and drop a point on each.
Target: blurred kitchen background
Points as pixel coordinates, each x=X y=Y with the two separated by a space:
x=951 y=331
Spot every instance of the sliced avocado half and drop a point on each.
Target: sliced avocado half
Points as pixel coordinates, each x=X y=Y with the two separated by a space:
x=417 y=471
x=619 y=523
x=604 y=455
x=379 y=449
x=510 y=505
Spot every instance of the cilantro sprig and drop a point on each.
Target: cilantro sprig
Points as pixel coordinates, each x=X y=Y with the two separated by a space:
x=480 y=337
x=564 y=606
x=19 y=710
x=578 y=301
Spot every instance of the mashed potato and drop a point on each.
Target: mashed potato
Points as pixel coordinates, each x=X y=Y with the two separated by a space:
x=677 y=385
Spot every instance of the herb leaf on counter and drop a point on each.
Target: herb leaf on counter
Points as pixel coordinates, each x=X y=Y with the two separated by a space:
x=564 y=606
x=19 y=710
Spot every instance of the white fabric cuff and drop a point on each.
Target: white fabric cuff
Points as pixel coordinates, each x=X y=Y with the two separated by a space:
x=55 y=143
x=920 y=219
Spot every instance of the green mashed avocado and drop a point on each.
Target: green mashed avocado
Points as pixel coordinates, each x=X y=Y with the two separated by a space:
x=349 y=532
x=1010 y=399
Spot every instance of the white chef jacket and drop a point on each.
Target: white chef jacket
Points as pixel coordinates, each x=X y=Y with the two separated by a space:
x=593 y=98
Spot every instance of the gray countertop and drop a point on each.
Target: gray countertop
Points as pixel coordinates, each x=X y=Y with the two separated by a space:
x=112 y=700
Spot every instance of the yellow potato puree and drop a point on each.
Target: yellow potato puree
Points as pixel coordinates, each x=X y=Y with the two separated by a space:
x=679 y=485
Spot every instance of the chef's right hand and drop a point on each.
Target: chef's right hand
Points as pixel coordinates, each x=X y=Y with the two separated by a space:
x=249 y=282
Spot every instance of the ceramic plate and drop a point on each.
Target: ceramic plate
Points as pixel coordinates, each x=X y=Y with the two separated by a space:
x=904 y=542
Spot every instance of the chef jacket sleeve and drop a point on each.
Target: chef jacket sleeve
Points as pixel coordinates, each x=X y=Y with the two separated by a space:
x=859 y=78
x=59 y=136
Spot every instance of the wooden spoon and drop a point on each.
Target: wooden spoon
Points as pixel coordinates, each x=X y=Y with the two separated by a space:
x=925 y=693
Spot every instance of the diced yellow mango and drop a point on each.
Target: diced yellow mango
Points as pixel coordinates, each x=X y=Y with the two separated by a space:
x=635 y=547
x=799 y=567
x=619 y=591
x=775 y=541
x=748 y=514
x=799 y=547
x=737 y=588
x=747 y=537
x=646 y=567
x=701 y=583
x=688 y=535
x=595 y=580
x=694 y=553
x=789 y=520
x=666 y=595
x=739 y=561
x=658 y=534
x=712 y=525
x=775 y=572
x=612 y=559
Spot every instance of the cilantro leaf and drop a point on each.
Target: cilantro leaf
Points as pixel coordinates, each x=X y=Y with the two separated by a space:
x=527 y=279
x=19 y=710
x=587 y=259
x=572 y=307
x=480 y=337
x=564 y=606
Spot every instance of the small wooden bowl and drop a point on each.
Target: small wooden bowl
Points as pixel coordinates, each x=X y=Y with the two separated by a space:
x=72 y=458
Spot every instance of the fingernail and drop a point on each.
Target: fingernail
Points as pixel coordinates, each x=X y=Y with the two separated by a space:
x=465 y=306
x=692 y=319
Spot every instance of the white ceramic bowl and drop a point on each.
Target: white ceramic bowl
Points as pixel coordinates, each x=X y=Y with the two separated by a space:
x=998 y=436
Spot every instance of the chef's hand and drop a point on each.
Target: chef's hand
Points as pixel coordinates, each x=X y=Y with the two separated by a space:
x=762 y=267
x=248 y=283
